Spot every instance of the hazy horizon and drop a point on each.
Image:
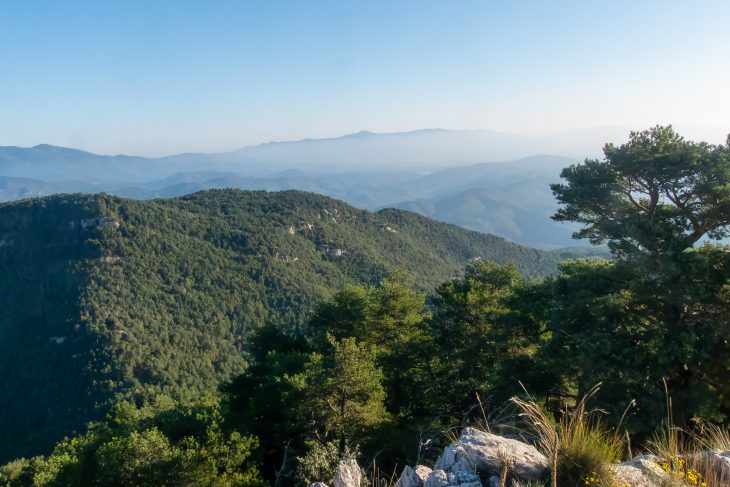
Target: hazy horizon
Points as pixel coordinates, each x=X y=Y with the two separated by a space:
x=714 y=135
x=160 y=78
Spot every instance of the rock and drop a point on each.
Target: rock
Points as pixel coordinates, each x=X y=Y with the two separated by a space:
x=494 y=481
x=318 y=484
x=106 y=222
x=348 y=474
x=464 y=479
x=438 y=478
x=413 y=478
x=641 y=471
x=485 y=453
x=719 y=461
x=649 y=464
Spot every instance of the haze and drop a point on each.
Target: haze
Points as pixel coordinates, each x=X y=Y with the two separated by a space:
x=154 y=78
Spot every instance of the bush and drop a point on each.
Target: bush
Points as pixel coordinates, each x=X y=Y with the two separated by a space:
x=320 y=462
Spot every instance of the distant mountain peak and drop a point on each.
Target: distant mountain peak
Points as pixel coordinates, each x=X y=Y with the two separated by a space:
x=361 y=133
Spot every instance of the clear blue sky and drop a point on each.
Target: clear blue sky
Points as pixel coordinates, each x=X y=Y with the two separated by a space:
x=157 y=77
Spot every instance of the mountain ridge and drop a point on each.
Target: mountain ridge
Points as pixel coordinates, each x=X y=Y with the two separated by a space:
x=519 y=183
x=425 y=149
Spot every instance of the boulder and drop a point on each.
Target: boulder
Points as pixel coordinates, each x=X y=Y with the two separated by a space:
x=641 y=471
x=348 y=474
x=413 y=478
x=485 y=453
x=719 y=461
x=440 y=478
x=464 y=479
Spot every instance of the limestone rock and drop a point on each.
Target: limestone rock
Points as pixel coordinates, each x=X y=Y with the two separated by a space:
x=485 y=453
x=413 y=478
x=438 y=478
x=642 y=471
x=464 y=479
x=348 y=474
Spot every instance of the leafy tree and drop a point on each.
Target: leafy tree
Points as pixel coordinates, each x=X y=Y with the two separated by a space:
x=264 y=400
x=652 y=313
x=387 y=320
x=655 y=196
x=345 y=315
x=162 y=444
x=463 y=326
x=320 y=461
x=391 y=318
x=344 y=393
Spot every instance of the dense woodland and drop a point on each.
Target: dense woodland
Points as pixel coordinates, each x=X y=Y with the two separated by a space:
x=104 y=297
x=189 y=384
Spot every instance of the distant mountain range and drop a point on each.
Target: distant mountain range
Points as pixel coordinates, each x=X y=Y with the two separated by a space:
x=512 y=200
x=421 y=151
x=445 y=174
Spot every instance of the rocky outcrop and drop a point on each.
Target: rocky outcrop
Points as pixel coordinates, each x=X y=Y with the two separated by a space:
x=437 y=478
x=487 y=454
x=647 y=471
x=348 y=474
x=440 y=478
x=642 y=471
x=413 y=477
x=478 y=459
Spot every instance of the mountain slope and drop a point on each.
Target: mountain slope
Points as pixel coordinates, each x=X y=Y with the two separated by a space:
x=103 y=296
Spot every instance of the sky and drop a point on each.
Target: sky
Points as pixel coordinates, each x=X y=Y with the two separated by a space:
x=161 y=77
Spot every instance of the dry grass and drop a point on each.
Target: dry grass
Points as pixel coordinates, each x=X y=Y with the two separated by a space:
x=685 y=456
x=577 y=446
x=581 y=450
x=710 y=436
x=545 y=430
x=380 y=478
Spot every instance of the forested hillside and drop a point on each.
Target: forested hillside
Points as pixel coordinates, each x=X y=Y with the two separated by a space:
x=103 y=296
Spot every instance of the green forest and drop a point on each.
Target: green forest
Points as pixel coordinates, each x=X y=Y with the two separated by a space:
x=251 y=338
x=105 y=298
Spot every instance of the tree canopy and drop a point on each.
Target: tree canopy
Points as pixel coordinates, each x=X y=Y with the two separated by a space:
x=656 y=194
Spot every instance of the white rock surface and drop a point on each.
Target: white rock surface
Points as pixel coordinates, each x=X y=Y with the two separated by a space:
x=485 y=453
x=464 y=479
x=348 y=474
x=438 y=478
x=641 y=471
x=413 y=477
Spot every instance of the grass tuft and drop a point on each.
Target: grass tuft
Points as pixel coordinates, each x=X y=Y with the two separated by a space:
x=578 y=446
